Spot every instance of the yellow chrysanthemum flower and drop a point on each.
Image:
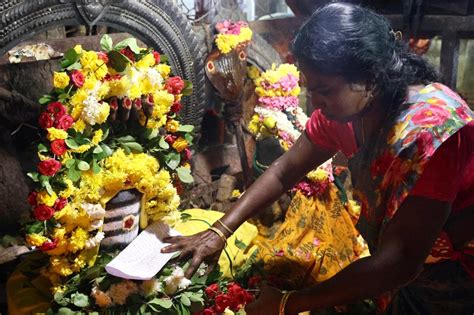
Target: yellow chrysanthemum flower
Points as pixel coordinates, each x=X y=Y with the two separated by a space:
x=55 y=134
x=97 y=136
x=172 y=126
x=60 y=265
x=164 y=70
x=35 y=239
x=79 y=125
x=45 y=198
x=317 y=175
x=89 y=61
x=78 y=239
x=146 y=62
x=60 y=80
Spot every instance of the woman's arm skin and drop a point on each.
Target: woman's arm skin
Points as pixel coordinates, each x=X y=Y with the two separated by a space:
x=285 y=172
x=403 y=248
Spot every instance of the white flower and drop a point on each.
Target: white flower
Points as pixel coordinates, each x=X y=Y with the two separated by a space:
x=94 y=210
x=176 y=281
x=154 y=76
x=151 y=287
x=95 y=241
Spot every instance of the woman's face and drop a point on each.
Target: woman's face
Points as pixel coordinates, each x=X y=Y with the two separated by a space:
x=338 y=99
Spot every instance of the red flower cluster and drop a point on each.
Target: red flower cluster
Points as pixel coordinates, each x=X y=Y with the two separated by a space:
x=174 y=85
x=234 y=298
x=55 y=115
x=309 y=188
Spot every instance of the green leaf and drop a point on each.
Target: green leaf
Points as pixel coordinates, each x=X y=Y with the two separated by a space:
x=106 y=43
x=70 y=163
x=129 y=42
x=73 y=174
x=45 y=99
x=133 y=146
x=164 y=59
x=44 y=181
x=70 y=57
x=185 y=300
x=188 y=88
x=83 y=166
x=196 y=297
x=163 y=144
x=186 y=128
x=71 y=143
x=107 y=150
x=184 y=310
x=126 y=139
x=75 y=66
x=98 y=149
x=34 y=176
x=65 y=311
x=164 y=303
x=105 y=134
x=80 y=300
x=95 y=167
x=239 y=244
x=172 y=160
x=42 y=148
x=35 y=227
x=188 y=137
x=118 y=61
x=184 y=175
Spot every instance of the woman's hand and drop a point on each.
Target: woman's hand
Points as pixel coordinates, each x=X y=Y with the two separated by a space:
x=205 y=246
x=267 y=303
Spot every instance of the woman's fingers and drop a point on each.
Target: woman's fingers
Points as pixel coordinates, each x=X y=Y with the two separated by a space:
x=195 y=263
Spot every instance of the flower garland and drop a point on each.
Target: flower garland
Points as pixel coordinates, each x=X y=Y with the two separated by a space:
x=231 y=35
x=110 y=124
x=278 y=114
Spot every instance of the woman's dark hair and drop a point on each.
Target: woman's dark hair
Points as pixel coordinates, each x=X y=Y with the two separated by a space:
x=359 y=44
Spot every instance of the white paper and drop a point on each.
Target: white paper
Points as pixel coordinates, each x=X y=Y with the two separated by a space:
x=142 y=259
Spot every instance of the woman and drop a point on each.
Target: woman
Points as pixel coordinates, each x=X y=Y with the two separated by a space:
x=409 y=143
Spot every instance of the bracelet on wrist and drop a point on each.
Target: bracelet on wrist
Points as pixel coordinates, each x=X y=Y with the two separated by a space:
x=225 y=227
x=219 y=232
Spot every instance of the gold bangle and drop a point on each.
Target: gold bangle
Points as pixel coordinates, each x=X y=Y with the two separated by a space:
x=283 y=301
x=219 y=232
x=225 y=227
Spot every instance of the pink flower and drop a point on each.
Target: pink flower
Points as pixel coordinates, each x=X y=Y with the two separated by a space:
x=187 y=154
x=463 y=113
x=157 y=57
x=433 y=115
x=174 y=85
x=49 y=167
x=64 y=122
x=77 y=78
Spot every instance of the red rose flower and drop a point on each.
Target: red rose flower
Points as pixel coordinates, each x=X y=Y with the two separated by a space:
x=174 y=85
x=128 y=53
x=208 y=311
x=43 y=212
x=77 y=78
x=433 y=115
x=49 y=245
x=222 y=302
x=58 y=147
x=32 y=198
x=59 y=204
x=187 y=154
x=176 y=107
x=213 y=290
x=64 y=122
x=103 y=56
x=49 y=167
x=45 y=120
x=57 y=109
x=157 y=57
